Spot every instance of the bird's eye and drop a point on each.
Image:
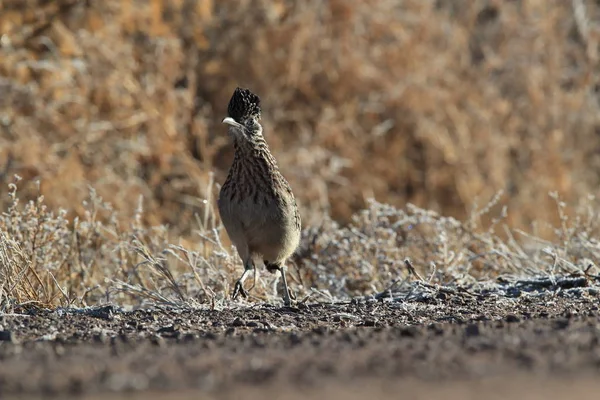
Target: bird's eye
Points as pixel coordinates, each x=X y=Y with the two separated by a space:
x=251 y=123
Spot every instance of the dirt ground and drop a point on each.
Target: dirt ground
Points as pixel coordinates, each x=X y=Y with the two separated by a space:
x=531 y=347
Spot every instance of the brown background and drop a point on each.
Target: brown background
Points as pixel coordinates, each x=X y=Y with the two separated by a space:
x=439 y=103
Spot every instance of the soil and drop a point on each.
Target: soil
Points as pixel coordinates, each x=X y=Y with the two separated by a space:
x=532 y=346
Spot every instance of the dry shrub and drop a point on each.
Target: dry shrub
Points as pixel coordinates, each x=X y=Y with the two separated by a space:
x=437 y=103
x=371 y=254
x=47 y=261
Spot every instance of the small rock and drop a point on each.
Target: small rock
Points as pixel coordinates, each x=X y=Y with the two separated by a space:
x=409 y=331
x=238 y=322
x=188 y=337
x=168 y=329
x=6 y=336
x=266 y=324
x=295 y=339
x=230 y=331
x=472 y=330
x=562 y=323
x=369 y=322
x=436 y=329
x=106 y=312
x=320 y=330
x=512 y=318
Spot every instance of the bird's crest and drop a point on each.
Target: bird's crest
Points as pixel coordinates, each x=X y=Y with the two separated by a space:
x=243 y=105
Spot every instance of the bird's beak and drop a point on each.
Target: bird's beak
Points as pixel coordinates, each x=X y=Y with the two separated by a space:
x=232 y=122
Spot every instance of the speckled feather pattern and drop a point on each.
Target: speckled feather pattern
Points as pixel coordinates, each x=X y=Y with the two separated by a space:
x=256 y=202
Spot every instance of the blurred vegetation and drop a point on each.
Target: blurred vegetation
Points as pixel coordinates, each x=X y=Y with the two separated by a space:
x=471 y=110
x=437 y=103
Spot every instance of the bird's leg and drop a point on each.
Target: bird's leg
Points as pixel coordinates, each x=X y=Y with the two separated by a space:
x=254 y=277
x=239 y=285
x=287 y=301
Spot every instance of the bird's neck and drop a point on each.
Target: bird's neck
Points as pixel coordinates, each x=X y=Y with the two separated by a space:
x=254 y=151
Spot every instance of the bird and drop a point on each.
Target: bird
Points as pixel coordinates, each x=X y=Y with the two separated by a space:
x=256 y=203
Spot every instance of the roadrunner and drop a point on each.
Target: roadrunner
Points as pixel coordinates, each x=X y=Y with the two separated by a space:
x=256 y=203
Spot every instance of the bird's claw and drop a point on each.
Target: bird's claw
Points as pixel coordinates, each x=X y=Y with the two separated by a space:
x=292 y=295
x=239 y=289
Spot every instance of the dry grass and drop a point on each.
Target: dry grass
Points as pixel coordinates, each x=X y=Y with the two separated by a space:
x=48 y=261
x=434 y=103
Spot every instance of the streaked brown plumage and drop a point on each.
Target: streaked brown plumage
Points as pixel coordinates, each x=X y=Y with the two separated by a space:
x=256 y=203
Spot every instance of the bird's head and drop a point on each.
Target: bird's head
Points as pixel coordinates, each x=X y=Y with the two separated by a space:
x=243 y=114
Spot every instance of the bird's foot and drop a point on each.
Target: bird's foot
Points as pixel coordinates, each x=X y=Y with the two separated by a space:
x=239 y=289
x=239 y=285
x=289 y=299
